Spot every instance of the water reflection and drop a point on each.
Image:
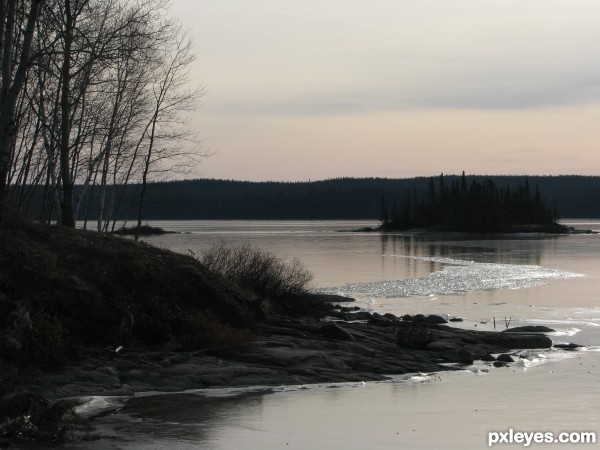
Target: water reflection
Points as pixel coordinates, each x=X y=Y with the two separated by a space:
x=171 y=421
x=501 y=250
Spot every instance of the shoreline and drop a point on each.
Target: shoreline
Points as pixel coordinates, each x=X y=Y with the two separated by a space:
x=285 y=351
x=97 y=315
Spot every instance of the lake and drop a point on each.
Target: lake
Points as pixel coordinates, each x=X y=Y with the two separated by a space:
x=516 y=280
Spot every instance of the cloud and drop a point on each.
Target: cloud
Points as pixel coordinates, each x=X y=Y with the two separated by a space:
x=305 y=58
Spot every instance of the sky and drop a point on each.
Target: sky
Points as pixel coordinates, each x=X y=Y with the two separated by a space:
x=317 y=89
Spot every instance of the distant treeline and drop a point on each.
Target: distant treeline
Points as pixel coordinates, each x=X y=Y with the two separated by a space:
x=342 y=198
x=478 y=206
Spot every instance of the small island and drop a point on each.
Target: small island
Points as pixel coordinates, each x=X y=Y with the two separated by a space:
x=476 y=207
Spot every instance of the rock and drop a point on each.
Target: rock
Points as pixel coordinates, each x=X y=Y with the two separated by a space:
x=460 y=355
x=514 y=340
x=390 y=316
x=504 y=357
x=359 y=315
x=500 y=364
x=418 y=318
x=332 y=298
x=456 y=319
x=440 y=346
x=451 y=352
x=415 y=336
x=435 y=319
x=569 y=346
x=27 y=416
x=334 y=331
x=407 y=317
x=381 y=321
x=487 y=357
x=529 y=329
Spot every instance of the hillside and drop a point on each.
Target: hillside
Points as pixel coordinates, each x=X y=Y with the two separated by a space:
x=343 y=198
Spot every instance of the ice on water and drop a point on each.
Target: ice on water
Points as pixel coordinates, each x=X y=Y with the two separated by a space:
x=457 y=277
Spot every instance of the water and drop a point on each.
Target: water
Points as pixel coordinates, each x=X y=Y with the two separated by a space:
x=528 y=279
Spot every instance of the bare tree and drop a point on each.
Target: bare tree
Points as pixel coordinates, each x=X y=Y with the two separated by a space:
x=104 y=106
x=15 y=60
x=166 y=129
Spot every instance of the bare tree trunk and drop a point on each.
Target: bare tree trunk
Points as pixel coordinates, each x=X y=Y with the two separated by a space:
x=11 y=86
x=65 y=125
x=147 y=162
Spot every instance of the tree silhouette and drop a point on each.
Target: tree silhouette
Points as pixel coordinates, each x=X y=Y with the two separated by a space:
x=478 y=207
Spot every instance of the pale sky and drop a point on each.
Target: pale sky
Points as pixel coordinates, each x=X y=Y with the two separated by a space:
x=315 y=89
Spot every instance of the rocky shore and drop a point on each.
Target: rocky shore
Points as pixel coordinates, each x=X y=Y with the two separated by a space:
x=84 y=314
x=284 y=351
x=351 y=347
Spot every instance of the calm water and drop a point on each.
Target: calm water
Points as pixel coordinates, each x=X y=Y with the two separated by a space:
x=525 y=279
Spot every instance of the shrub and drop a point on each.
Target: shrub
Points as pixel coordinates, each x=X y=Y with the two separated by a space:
x=258 y=270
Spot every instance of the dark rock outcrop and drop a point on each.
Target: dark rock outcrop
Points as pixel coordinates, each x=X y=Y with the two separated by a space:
x=359 y=315
x=505 y=358
x=480 y=344
x=569 y=346
x=529 y=329
x=334 y=331
x=432 y=318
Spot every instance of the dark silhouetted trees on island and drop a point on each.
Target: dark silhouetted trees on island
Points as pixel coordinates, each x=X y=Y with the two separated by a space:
x=478 y=206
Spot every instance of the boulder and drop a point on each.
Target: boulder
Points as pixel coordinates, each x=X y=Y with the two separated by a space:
x=381 y=321
x=529 y=329
x=569 y=346
x=435 y=319
x=514 y=340
x=359 y=315
x=459 y=355
x=504 y=357
x=418 y=318
x=407 y=318
x=456 y=319
x=390 y=316
x=451 y=352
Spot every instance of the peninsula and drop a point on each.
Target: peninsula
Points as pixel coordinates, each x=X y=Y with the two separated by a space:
x=94 y=314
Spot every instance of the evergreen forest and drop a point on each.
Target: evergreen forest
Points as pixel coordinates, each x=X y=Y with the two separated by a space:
x=479 y=206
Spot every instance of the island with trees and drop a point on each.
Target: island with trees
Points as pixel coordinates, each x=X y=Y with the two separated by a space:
x=93 y=96
x=476 y=207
